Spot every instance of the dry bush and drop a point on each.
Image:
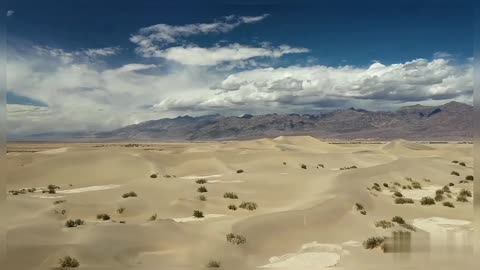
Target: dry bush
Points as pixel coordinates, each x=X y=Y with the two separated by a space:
x=103 y=217
x=201 y=181
x=373 y=242
x=248 y=205
x=202 y=189
x=465 y=192
x=427 y=201
x=68 y=262
x=240 y=171
x=384 y=224
x=129 y=194
x=198 y=214
x=230 y=195
x=469 y=177
x=236 y=239
x=403 y=200
x=461 y=198
x=232 y=207
x=455 y=173
x=448 y=204
x=202 y=198
x=213 y=264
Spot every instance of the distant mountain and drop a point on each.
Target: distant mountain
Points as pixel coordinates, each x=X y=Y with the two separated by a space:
x=451 y=121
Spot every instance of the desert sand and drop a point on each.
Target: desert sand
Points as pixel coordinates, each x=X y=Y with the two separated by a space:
x=306 y=218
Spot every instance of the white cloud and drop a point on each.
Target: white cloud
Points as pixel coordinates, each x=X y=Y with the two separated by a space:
x=70 y=56
x=152 y=38
x=194 y=55
x=442 y=55
x=10 y=13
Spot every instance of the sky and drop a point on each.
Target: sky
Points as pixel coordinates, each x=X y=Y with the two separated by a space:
x=101 y=65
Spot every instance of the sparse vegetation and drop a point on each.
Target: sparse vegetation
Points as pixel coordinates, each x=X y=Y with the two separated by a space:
x=455 y=161
x=377 y=188
x=409 y=179
x=153 y=175
x=427 y=180
x=462 y=198
x=446 y=189
x=398 y=194
x=408 y=227
x=320 y=166
x=248 y=205
x=202 y=198
x=451 y=184
x=213 y=264
x=284 y=163
x=230 y=195
x=384 y=224
x=465 y=192
x=201 y=181
x=462 y=164
x=403 y=200
x=448 y=204
x=398 y=219
x=232 y=207
x=167 y=176
x=240 y=171
x=103 y=217
x=202 y=189
x=469 y=177
x=153 y=217
x=359 y=206
x=397 y=184
x=303 y=166
x=120 y=210
x=455 y=173
x=416 y=185
x=363 y=212
x=385 y=185
x=129 y=194
x=59 y=202
x=53 y=187
x=198 y=214
x=439 y=197
x=427 y=201
x=68 y=262
x=373 y=242
x=236 y=239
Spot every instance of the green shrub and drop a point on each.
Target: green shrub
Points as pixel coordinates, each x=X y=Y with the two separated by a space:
x=213 y=264
x=373 y=242
x=469 y=177
x=68 y=262
x=240 y=171
x=462 y=198
x=398 y=194
x=202 y=198
x=403 y=200
x=416 y=185
x=202 y=189
x=248 y=205
x=201 y=181
x=129 y=194
x=465 y=192
x=232 y=207
x=230 y=195
x=455 y=173
x=384 y=224
x=198 y=214
x=427 y=201
x=398 y=219
x=235 y=239
x=103 y=217
x=448 y=204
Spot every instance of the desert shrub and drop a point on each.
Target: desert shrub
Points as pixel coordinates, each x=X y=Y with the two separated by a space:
x=455 y=173
x=455 y=161
x=377 y=188
x=462 y=164
x=202 y=198
x=53 y=187
x=153 y=217
x=462 y=198
x=213 y=264
x=79 y=222
x=122 y=221
x=303 y=166
x=201 y=181
x=68 y=262
x=416 y=185
x=103 y=217
x=167 y=176
x=232 y=207
x=469 y=177
x=465 y=192
x=248 y=205
x=451 y=184
x=359 y=206
x=446 y=189
x=31 y=190
x=153 y=175
x=363 y=212
x=240 y=171
x=384 y=224
x=398 y=219
x=70 y=223
x=385 y=185
x=373 y=242
x=236 y=239
x=198 y=214
x=52 y=191
x=129 y=194
x=202 y=189
x=438 y=197
x=409 y=187
x=284 y=163
x=398 y=194
x=376 y=184
x=321 y=166
x=230 y=195
x=427 y=201
x=403 y=200
x=408 y=227
x=448 y=204
x=409 y=179
x=404 y=187
x=427 y=180
x=463 y=182
x=397 y=184
x=120 y=210
x=439 y=192
x=59 y=201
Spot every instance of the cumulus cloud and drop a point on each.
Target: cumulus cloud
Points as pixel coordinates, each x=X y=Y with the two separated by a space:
x=70 y=56
x=10 y=13
x=152 y=38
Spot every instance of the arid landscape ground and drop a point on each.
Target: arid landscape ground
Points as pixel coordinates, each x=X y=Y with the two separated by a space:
x=285 y=203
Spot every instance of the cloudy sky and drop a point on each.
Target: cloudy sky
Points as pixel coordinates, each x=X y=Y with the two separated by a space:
x=85 y=65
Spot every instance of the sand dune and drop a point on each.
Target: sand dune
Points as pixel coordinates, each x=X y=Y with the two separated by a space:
x=305 y=217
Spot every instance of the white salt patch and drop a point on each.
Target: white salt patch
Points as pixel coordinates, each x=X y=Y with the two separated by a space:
x=54 y=151
x=47 y=196
x=192 y=218
x=225 y=181
x=304 y=261
x=352 y=243
x=192 y=177
x=87 y=189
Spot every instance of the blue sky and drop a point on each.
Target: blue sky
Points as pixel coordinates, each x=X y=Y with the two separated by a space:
x=72 y=63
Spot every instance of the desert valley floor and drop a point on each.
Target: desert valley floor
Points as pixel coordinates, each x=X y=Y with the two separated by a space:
x=286 y=203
